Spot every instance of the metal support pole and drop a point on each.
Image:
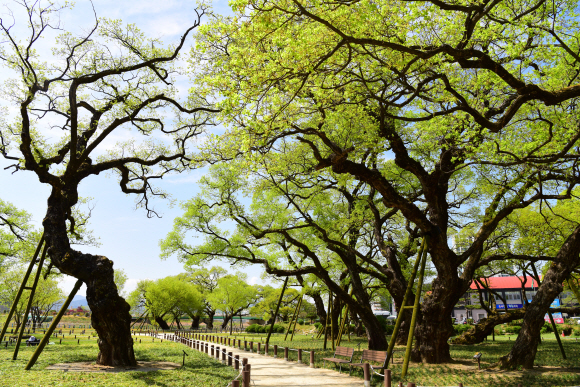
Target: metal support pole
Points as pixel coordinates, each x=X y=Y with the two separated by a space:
x=53 y=325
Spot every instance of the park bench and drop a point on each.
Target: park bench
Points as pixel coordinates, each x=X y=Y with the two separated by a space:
x=370 y=356
x=341 y=351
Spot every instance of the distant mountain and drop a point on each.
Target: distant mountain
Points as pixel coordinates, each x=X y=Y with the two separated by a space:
x=78 y=301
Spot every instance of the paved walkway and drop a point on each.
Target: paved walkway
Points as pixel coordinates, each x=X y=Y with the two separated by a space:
x=267 y=371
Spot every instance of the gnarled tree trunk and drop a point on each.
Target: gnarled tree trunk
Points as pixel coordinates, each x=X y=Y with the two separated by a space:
x=110 y=312
x=434 y=326
x=523 y=353
x=485 y=327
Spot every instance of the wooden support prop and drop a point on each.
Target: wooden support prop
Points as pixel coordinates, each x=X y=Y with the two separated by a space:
x=30 y=299
x=21 y=289
x=296 y=321
x=415 y=312
x=276 y=312
x=294 y=315
x=311 y=359
x=405 y=299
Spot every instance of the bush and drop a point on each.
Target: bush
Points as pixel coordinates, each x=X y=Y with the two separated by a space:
x=387 y=328
x=459 y=329
x=254 y=328
x=513 y=329
x=576 y=331
x=547 y=328
x=567 y=329
x=317 y=325
x=300 y=321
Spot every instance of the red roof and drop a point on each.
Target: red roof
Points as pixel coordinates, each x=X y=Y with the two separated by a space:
x=506 y=283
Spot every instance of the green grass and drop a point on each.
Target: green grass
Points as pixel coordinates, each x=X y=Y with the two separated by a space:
x=200 y=370
x=554 y=370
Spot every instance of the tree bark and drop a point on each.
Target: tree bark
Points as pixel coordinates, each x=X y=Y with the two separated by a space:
x=110 y=312
x=209 y=320
x=434 y=325
x=479 y=332
x=162 y=323
x=320 y=311
x=523 y=353
x=227 y=318
x=195 y=322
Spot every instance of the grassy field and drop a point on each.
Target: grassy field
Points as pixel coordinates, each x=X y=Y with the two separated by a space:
x=552 y=369
x=199 y=370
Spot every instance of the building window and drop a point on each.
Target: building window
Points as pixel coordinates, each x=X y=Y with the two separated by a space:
x=513 y=296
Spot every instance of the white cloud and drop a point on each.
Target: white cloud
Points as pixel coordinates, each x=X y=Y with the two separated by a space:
x=131 y=285
x=254 y=280
x=67 y=283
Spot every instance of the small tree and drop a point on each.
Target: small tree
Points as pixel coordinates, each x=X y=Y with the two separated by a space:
x=232 y=296
x=166 y=297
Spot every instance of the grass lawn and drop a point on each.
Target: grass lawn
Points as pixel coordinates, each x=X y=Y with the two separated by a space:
x=552 y=369
x=200 y=370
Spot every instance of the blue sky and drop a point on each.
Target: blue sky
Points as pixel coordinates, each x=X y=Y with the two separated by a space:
x=127 y=236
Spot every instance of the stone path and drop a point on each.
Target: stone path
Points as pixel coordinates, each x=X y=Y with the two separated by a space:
x=271 y=372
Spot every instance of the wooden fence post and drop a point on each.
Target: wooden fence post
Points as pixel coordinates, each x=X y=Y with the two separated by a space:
x=246 y=376
x=367 y=374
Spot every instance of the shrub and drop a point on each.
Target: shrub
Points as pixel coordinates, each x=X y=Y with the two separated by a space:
x=317 y=325
x=459 y=329
x=547 y=328
x=567 y=329
x=254 y=328
x=387 y=328
x=576 y=331
x=513 y=329
x=300 y=321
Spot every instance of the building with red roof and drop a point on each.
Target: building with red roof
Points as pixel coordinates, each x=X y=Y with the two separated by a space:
x=511 y=292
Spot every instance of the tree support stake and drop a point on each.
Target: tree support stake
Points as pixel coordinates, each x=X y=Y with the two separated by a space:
x=276 y=313
x=421 y=256
x=30 y=299
x=22 y=287
x=53 y=325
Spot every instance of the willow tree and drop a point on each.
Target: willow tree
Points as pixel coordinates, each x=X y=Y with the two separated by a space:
x=439 y=87
x=111 y=81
